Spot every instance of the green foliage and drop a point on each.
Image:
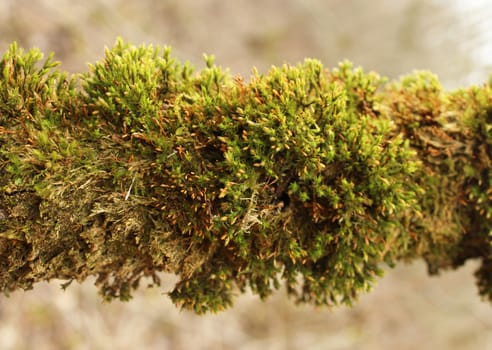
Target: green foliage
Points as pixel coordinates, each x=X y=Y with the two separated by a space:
x=302 y=177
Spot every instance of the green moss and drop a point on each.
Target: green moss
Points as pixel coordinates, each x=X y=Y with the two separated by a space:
x=303 y=177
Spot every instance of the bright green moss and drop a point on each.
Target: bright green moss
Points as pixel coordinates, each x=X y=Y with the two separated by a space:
x=301 y=177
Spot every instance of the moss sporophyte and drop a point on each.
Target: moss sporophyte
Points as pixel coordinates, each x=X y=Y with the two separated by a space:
x=302 y=177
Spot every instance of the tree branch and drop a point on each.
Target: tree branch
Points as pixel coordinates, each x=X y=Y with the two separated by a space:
x=305 y=176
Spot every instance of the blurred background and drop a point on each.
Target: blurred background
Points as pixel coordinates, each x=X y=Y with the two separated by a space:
x=406 y=310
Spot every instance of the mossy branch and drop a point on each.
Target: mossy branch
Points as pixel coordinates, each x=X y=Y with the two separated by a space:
x=304 y=177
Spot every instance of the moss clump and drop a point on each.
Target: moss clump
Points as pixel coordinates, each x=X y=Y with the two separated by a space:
x=305 y=176
x=452 y=133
